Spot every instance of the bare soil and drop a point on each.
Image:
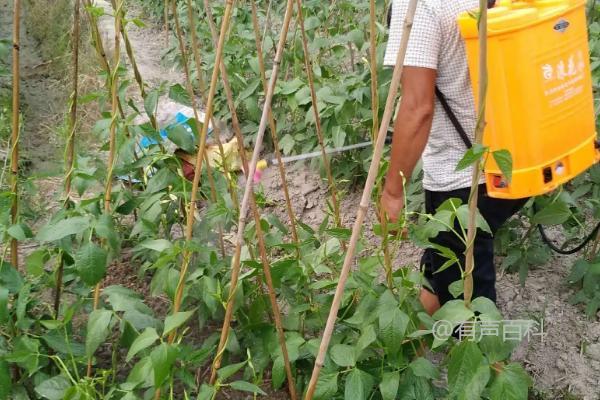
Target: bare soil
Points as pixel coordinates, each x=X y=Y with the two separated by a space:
x=42 y=97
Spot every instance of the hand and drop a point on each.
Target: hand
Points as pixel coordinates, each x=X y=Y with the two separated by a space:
x=392 y=205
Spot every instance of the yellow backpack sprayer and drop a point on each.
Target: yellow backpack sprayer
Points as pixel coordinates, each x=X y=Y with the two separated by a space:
x=540 y=105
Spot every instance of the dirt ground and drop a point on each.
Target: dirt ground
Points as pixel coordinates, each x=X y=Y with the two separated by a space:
x=43 y=99
x=568 y=360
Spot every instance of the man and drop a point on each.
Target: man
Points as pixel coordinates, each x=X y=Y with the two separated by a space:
x=436 y=56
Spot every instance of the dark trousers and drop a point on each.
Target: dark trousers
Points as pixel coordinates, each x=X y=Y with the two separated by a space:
x=496 y=212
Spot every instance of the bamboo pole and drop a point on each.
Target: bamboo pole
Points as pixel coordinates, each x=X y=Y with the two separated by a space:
x=234 y=120
x=190 y=90
x=375 y=107
x=248 y=189
x=14 y=155
x=196 y=53
x=477 y=168
x=134 y=66
x=199 y=156
x=273 y=129
x=70 y=154
x=70 y=151
x=99 y=46
x=373 y=67
x=315 y=106
x=364 y=202
x=114 y=80
x=259 y=233
x=167 y=22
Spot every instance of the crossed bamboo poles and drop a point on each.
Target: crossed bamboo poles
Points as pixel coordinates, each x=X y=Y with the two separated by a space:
x=266 y=116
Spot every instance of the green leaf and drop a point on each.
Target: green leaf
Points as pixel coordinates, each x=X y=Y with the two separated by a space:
x=19 y=231
x=151 y=102
x=10 y=278
x=5 y=381
x=343 y=355
x=97 y=330
x=178 y=94
x=180 y=135
x=505 y=162
x=26 y=354
x=327 y=386
x=512 y=383
x=207 y=392
x=580 y=268
x=468 y=373
x=423 y=368
x=63 y=228
x=392 y=328
x=358 y=385
x=389 y=385
x=456 y=288
x=246 y=387
x=486 y=308
x=229 y=370
x=105 y=228
x=3 y=305
x=163 y=357
x=140 y=373
x=287 y=143
x=553 y=214
x=53 y=388
x=163 y=178
x=174 y=321
x=142 y=342
x=138 y=22
x=471 y=156
x=278 y=372
x=339 y=137
x=367 y=337
x=311 y=23
x=455 y=312
x=90 y=263
x=159 y=245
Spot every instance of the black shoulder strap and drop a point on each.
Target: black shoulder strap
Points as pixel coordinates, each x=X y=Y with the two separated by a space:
x=459 y=128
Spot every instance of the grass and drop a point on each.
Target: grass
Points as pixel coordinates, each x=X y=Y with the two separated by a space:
x=49 y=22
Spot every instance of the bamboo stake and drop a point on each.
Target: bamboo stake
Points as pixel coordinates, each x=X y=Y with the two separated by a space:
x=134 y=66
x=248 y=189
x=375 y=107
x=70 y=151
x=373 y=65
x=114 y=80
x=167 y=22
x=273 y=129
x=190 y=90
x=364 y=202
x=73 y=111
x=257 y=221
x=230 y=183
x=477 y=168
x=99 y=46
x=14 y=156
x=198 y=167
x=315 y=106
x=199 y=156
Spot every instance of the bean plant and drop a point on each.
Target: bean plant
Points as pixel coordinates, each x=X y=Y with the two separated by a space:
x=139 y=348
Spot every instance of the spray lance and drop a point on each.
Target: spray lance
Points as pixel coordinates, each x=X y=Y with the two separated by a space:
x=264 y=164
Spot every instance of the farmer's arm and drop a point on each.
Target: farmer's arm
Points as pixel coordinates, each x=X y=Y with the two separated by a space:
x=411 y=132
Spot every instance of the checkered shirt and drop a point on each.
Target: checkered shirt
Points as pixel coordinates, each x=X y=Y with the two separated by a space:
x=435 y=42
